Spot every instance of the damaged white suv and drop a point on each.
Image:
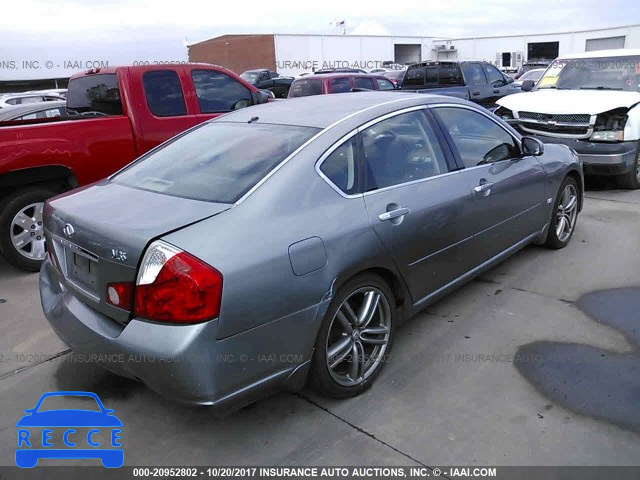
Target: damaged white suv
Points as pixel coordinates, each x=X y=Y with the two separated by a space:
x=590 y=102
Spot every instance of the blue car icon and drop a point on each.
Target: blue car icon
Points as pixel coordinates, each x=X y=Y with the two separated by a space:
x=32 y=446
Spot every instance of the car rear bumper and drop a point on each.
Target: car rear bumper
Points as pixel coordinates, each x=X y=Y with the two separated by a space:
x=601 y=158
x=186 y=363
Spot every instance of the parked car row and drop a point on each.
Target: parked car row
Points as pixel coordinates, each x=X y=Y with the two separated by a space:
x=112 y=118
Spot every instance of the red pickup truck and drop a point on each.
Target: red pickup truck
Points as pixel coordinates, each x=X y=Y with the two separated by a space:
x=114 y=115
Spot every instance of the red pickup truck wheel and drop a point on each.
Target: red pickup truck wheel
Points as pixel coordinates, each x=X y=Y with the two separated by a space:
x=21 y=230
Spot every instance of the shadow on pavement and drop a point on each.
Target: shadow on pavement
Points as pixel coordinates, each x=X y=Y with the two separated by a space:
x=587 y=380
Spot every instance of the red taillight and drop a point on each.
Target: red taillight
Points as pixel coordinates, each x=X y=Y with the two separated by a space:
x=176 y=287
x=120 y=295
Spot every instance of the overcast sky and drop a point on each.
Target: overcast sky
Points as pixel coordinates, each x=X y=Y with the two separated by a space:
x=121 y=31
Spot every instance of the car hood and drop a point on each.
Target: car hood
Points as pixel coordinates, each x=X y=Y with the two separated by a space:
x=69 y=418
x=569 y=101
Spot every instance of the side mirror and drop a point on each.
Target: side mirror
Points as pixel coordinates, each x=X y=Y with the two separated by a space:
x=532 y=146
x=262 y=96
x=509 y=80
x=527 y=85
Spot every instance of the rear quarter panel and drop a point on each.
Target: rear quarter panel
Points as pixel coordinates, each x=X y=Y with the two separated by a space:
x=249 y=244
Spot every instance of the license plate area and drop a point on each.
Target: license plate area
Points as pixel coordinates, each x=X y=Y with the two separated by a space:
x=82 y=269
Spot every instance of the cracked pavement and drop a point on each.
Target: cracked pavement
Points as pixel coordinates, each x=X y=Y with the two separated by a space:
x=450 y=394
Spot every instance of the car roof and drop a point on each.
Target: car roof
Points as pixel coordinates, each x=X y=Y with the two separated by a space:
x=5 y=96
x=11 y=111
x=618 y=52
x=329 y=109
x=142 y=68
x=345 y=74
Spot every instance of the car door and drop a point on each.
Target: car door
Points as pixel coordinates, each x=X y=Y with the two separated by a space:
x=479 y=89
x=508 y=187
x=418 y=206
x=499 y=87
x=166 y=114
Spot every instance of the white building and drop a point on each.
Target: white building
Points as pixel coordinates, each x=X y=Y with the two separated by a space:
x=292 y=54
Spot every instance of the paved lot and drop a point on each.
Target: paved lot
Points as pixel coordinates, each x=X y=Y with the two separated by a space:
x=465 y=384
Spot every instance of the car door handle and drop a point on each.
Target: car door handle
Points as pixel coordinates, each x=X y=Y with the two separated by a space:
x=484 y=189
x=496 y=91
x=475 y=94
x=393 y=214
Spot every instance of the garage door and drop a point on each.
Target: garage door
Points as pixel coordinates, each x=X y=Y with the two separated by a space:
x=604 y=43
x=407 y=53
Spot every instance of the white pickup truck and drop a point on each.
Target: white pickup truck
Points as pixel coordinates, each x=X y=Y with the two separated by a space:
x=590 y=102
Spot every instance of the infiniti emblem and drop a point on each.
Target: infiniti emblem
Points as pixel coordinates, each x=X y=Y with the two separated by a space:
x=68 y=230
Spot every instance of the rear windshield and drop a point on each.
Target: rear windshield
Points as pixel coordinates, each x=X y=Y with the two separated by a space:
x=305 y=87
x=433 y=74
x=216 y=162
x=94 y=95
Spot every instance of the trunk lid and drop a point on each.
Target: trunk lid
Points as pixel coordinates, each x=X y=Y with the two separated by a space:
x=100 y=232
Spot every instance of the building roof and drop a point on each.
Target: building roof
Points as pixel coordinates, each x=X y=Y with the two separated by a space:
x=321 y=111
x=618 y=52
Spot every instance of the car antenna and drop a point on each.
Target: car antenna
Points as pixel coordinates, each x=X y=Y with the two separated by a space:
x=253 y=119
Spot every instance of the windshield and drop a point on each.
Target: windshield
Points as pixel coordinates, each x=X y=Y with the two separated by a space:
x=249 y=77
x=599 y=73
x=216 y=162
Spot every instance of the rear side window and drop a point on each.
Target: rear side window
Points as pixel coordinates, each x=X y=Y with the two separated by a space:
x=450 y=75
x=97 y=94
x=340 y=85
x=306 y=87
x=164 y=93
x=415 y=75
x=216 y=162
x=340 y=167
x=218 y=92
x=401 y=149
x=363 y=82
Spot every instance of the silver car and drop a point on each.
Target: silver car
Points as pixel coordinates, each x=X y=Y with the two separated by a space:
x=287 y=241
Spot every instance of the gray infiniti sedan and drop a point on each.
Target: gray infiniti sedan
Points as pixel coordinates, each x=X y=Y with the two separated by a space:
x=287 y=241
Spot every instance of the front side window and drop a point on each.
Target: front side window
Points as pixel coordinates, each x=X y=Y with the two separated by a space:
x=163 y=91
x=94 y=94
x=478 y=139
x=218 y=92
x=340 y=85
x=401 y=149
x=384 y=84
x=216 y=162
x=493 y=74
x=340 y=167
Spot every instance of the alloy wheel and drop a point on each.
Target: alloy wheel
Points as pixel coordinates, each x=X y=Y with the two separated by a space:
x=358 y=336
x=567 y=213
x=27 y=232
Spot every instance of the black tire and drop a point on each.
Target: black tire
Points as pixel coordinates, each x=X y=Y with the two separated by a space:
x=631 y=181
x=553 y=241
x=321 y=378
x=12 y=205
